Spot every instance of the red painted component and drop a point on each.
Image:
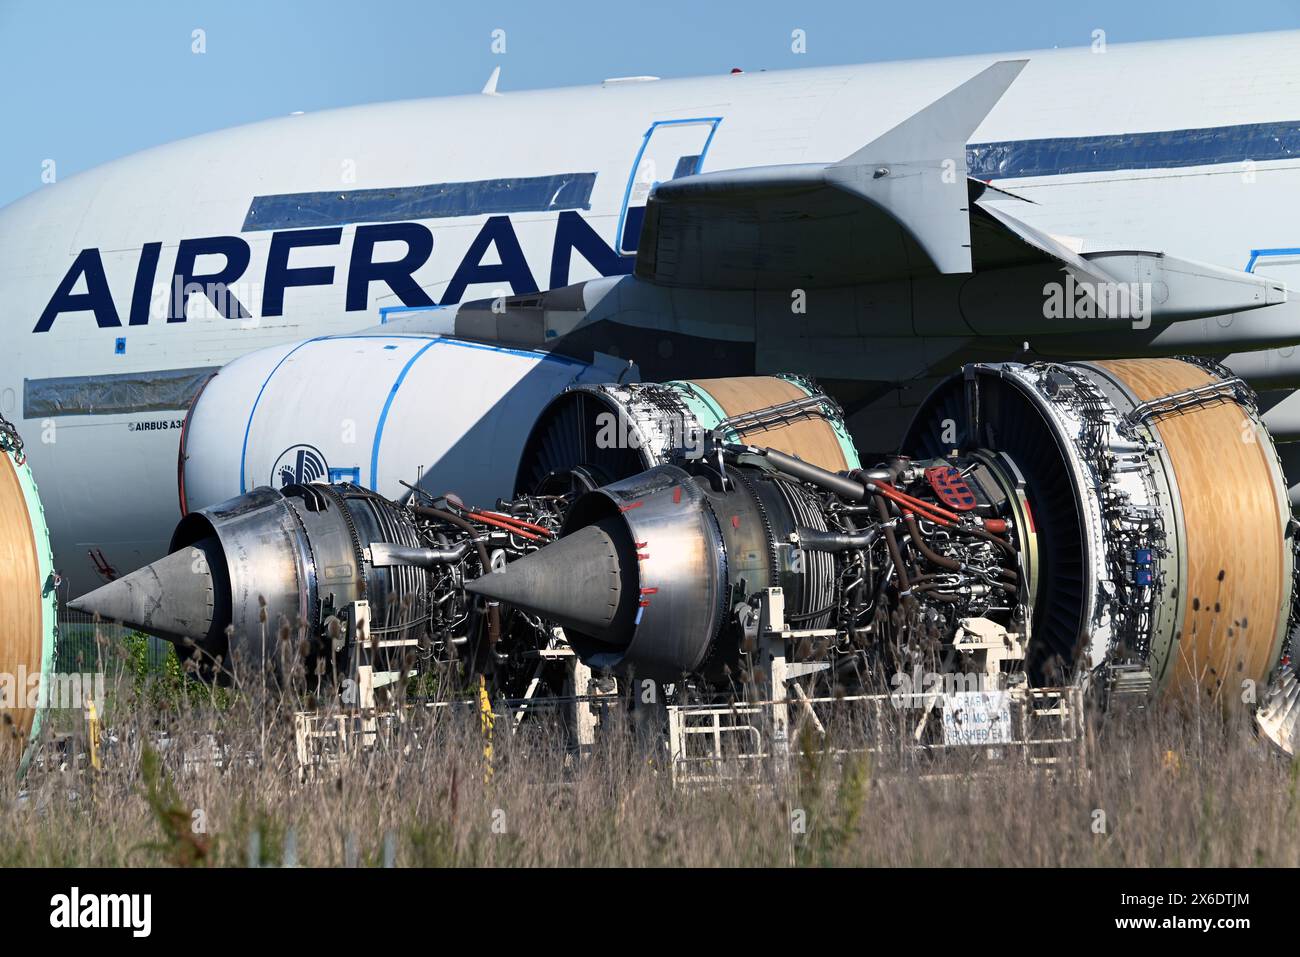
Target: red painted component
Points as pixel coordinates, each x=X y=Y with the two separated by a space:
x=931 y=513
x=102 y=567
x=677 y=495
x=531 y=526
x=951 y=488
x=512 y=529
x=628 y=508
x=996 y=525
x=735 y=521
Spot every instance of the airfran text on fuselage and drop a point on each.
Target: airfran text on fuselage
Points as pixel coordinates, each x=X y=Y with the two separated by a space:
x=152 y=300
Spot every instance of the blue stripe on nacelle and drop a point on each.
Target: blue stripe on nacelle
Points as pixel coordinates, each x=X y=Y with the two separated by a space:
x=388 y=403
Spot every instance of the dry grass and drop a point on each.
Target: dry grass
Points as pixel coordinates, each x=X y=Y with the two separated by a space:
x=1173 y=791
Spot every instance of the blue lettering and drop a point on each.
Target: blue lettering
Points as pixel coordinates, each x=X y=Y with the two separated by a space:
x=512 y=269
x=572 y=232
x=363 y=270
x=185 y=281
x=280 y=277
x=142 y=292
x=96 y=298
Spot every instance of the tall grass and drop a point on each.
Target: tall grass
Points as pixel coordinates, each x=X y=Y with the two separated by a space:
x=1160 y=789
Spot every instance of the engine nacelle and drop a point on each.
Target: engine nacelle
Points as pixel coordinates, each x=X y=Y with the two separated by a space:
x=28 y=607
x=613 y=430
x=373 y=410
x=1163 y=534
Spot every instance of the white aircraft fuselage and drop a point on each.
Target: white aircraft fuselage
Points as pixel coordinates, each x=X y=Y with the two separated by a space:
x=311 y=224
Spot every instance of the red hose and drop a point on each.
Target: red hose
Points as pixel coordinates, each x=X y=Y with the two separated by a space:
x=517 y=521
x=904 y=499
x=925 y=511
x=928 y=511
x=512 y=529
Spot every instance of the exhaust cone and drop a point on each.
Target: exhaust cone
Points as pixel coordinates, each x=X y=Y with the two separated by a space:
x=580 y=582
x=173 y=598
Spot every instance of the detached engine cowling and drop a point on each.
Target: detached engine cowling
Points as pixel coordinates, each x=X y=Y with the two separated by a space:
x=28 y=606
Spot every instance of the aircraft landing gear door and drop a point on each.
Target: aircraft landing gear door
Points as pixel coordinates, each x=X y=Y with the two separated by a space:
x=670 y=149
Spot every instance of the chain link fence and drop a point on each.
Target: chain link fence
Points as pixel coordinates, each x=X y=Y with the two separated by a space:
x=77 y=650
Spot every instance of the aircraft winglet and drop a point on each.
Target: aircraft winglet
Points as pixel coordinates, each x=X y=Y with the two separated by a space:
x=942 y=128
x=490 y=87
x=774 y=227
x=917 y=171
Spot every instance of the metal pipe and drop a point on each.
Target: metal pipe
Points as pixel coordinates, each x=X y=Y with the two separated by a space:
x=391 y=553
x=895 y=555
x=936 y=559
x=796 y=468
x=820 y=541
x=494 y=610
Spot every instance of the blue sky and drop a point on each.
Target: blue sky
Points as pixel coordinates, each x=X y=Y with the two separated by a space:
x=85 y=81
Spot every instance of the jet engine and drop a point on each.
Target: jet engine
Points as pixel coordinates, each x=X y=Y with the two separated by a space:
x=372 y=409
x=1122 y=523
x=1125 y=521
x=1164 y=541
x=283 y=576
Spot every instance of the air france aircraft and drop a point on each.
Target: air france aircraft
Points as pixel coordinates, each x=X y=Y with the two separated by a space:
x=871 y=226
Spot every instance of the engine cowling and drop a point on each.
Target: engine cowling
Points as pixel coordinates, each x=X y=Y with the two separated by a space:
x=373 y=410
x=28 y=608
x=1163 y=528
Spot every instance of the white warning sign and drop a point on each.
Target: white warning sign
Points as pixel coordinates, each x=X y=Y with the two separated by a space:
x=977 y=717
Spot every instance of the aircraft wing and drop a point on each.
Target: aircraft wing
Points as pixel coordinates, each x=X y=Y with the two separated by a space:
x=902 y=207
